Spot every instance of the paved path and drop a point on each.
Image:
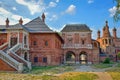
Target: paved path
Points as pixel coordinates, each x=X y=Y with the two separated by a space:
x=103 y=76
x=100 y=72
x=84 y=68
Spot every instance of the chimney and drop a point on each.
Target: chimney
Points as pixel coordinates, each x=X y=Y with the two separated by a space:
x=20 y=21
x=43 y=17
x=7 y=22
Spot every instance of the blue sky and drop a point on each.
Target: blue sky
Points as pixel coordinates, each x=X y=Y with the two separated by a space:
x=94 y=13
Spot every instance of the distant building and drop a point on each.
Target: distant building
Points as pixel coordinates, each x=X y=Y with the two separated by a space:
x=78 y=45
x=35 y=44
x=109 y=44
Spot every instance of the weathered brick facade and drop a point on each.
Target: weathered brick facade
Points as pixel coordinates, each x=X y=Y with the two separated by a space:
x=45 y=49
x=35 y=42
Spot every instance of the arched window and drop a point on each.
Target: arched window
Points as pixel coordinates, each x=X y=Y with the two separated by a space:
x=106 y=41
x=34 y=43
x=46 y=43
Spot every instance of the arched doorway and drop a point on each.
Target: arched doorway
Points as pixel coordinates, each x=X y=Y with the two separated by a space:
x=26 y=56
x=83 y=57
x=70 y=57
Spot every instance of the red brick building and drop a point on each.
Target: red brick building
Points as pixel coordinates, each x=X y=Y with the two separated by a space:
x=32 y=44
x=35 y=44
x=78 y=46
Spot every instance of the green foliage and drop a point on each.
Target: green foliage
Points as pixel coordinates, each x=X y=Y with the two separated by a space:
x=117 y=14
x=102 y=65
x=118 y=54
x=51 y=69
x=107 y=61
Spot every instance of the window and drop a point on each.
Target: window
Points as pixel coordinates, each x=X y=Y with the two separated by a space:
x=45 y=59
x=34 y=43
x=25 y=39
x=109 y=41
x=35 y=59
x=106 y=41
x=103 y=41
x=46 y=43
x=70 y=40
x=83 y=42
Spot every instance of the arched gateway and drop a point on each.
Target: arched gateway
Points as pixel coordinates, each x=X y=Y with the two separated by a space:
x=70 y=57
x=83 y=57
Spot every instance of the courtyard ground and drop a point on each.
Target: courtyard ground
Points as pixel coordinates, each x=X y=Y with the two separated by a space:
x=76 y=72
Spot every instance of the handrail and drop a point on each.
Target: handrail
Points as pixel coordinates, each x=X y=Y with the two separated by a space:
x=27 y=62
x=9 y=60
x=16 y=47
x=3 y=45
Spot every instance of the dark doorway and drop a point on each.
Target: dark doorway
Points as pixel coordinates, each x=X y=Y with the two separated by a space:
x=70 y=57
x=25 y=55
x=83 y=57
x=13 y=41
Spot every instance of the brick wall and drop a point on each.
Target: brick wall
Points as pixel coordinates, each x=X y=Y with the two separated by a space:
x=5 y=67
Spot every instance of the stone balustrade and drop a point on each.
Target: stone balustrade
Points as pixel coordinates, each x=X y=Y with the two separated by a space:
x=77 y=46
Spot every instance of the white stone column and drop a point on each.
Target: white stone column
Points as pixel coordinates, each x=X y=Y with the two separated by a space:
x=9 y=40
x=64 y=58
x=20 y=67
x=18 y=36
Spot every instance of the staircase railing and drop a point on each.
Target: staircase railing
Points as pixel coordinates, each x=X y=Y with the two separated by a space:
x=3 y=46
x=9 y=60
x=22 y=59
x=14 y=49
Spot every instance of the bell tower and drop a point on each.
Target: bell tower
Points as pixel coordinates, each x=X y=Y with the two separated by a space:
x=98 y=34
x=114 y=33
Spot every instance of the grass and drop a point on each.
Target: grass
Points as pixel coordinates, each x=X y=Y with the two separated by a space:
x=115 y=72
x=115 y=75
x=64 y=76
x=51 y=69
x=102 y=65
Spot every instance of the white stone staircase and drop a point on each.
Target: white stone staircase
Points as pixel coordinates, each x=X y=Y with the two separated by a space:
x=16 y=48
x=14 y=60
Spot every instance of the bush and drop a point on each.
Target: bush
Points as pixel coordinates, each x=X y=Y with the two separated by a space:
x=107 y=61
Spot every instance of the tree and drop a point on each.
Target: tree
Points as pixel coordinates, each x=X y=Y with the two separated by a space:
x=117 y=14
x=107 y=61
x=118 y=55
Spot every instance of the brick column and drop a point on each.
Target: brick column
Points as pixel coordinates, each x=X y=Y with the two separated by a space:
x=77 y=58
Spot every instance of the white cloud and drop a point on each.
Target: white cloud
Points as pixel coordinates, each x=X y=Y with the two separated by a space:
x=12 y=17
x=14 y=8
x=2 y=10
x=112 y=11
x=90 y=1
x=57 y=1
x=71 y=9
x=52 y=4
x=53 y=17
x=33 y=6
